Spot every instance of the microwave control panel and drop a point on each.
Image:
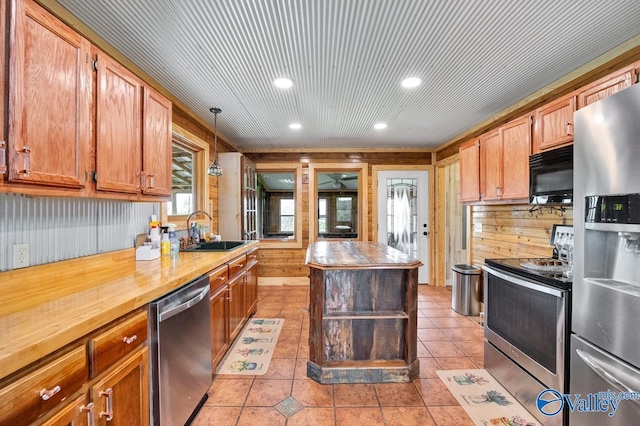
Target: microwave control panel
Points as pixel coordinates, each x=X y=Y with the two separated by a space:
x=618 y=208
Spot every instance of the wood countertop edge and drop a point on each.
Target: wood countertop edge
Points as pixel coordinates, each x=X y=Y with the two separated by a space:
x=322 y=266
x=20 y=346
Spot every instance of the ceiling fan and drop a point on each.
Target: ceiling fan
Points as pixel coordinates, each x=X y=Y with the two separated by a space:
x=336 y=180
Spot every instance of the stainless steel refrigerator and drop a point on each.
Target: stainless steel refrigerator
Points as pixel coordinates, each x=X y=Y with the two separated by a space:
x=605 y=344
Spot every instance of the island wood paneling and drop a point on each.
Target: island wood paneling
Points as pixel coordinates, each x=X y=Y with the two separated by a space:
x=514 y=231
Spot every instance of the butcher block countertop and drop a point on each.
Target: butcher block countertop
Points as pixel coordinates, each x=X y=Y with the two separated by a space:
x=355 y=255
x=48 y=306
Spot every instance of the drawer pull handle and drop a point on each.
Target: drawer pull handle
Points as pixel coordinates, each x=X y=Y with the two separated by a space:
x=130 y=340
x=109 y=404
x=240 y=265
x=89 y=410
x=220 y=278
x=45 y=394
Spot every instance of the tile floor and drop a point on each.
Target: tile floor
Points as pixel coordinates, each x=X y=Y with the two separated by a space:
x=285 y=396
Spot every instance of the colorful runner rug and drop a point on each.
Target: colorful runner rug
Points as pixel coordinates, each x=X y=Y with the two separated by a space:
x=252 y=351
x=484 y=399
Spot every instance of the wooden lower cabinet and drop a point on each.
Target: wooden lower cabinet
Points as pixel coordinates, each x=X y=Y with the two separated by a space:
x=237 y=312
x=74 y=413
x=121 y=397
x=219 y=304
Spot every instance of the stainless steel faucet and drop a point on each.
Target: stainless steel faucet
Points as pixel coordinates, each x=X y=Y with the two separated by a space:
x=189 y=238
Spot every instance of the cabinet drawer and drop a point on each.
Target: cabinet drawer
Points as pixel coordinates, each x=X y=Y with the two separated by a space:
x=237 y=265
x=108 y=347
x=252 y=256
x=27 y=398
x=218 y=277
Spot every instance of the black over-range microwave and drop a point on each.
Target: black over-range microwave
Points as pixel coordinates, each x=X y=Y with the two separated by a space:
x=551 y=176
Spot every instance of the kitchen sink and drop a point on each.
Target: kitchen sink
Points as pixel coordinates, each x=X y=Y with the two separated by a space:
x=216 y=246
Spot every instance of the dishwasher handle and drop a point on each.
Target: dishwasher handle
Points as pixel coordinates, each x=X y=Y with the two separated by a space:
x=183 y=306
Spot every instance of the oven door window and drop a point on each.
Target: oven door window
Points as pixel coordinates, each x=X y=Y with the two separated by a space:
x=526 y=318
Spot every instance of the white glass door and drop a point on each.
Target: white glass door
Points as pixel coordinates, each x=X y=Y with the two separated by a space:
x=403 y=215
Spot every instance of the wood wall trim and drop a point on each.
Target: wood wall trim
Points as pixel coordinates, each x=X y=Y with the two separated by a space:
x=297 y=171
x=363 y=199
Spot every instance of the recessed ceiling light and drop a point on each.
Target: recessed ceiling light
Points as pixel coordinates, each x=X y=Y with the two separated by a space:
x=283 y=83
x=380 y=126
x=295 y=126
x=411 y=82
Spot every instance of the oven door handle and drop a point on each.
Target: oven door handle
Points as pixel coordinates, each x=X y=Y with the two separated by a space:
x=528 y=284
x=604 y=374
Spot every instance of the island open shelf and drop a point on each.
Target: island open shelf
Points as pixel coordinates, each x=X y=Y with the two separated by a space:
x=363 y=313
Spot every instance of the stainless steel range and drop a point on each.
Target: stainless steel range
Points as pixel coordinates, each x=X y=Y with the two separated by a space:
x=527 y=310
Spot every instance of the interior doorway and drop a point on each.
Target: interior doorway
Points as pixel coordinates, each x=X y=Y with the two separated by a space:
x=452 y=222
x=403 y=219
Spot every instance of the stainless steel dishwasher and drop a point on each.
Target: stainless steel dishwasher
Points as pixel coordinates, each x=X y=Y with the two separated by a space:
x=180 y=360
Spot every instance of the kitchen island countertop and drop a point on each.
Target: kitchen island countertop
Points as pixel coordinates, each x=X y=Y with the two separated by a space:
x=48 y=306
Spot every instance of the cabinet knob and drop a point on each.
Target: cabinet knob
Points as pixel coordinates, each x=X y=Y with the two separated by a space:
x=46 y=394
x=130 y=340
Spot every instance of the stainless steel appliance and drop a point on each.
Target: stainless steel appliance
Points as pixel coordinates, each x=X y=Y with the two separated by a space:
x=605 y=349
x=527 y=308
x=180 y=353
x=551 y=176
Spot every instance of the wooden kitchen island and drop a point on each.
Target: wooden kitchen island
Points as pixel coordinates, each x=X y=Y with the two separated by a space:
x=363 y=313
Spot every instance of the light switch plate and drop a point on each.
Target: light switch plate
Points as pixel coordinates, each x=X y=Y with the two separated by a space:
x=20 y=256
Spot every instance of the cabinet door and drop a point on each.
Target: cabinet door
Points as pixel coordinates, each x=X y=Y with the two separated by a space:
x=118 y=114
x=554 y=124
x=49 y=100
x=606 y=86
x=237 y=311
x=74 y=413
x=516 y=148
x=251 y=282
x=156 y=143
x=3 y=82
x=491 y=166
x=122 y=396
x=219 y=304
x=470 y=171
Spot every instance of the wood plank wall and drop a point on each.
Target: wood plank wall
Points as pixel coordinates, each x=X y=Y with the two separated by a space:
x=514 y=231
x=290 y=262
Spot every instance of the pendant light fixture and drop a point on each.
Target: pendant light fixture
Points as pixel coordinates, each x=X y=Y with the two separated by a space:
x=214 y=168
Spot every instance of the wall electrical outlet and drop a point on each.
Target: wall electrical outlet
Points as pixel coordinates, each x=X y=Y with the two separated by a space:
x=20 y=256
x=477 y=227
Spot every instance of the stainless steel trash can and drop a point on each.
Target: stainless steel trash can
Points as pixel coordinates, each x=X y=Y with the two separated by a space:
x=465 y=295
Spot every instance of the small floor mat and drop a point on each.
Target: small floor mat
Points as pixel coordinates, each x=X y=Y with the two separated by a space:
x=484 y=399
x=252 y=351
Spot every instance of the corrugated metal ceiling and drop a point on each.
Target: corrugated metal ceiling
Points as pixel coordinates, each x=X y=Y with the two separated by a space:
x=347 y=58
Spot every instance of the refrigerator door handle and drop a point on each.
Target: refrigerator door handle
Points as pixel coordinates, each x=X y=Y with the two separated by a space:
x=604 y=374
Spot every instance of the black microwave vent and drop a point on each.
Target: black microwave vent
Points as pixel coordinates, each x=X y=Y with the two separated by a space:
x=555 y=156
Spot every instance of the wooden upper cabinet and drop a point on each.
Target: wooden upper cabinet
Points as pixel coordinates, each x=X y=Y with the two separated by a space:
x=49 y=100
x=516 y=148
x=554 y=124
x=156 y=143
x=470 y=171
x=606 y=86
x=491 y=166
x=118 y=140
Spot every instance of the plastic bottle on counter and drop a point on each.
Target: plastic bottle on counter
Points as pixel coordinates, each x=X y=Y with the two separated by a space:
x=173 y=240
x=165 y=245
